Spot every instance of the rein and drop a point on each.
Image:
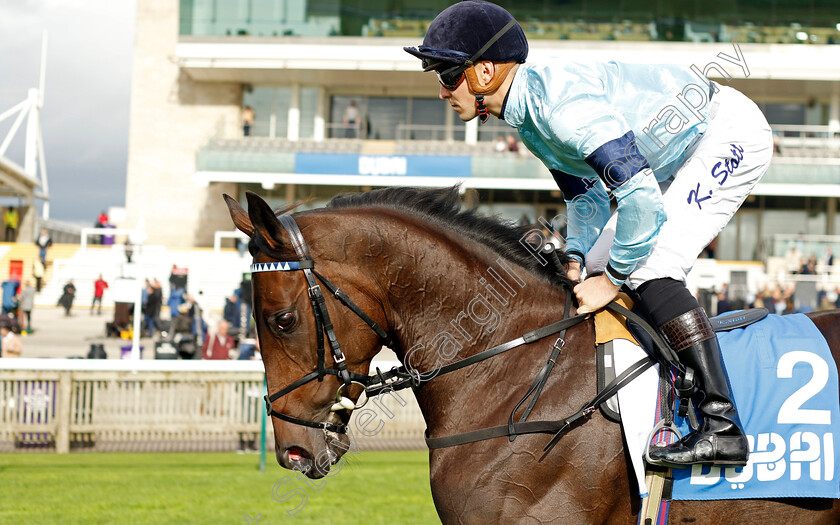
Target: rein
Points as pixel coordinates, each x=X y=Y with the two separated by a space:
x=403 y=377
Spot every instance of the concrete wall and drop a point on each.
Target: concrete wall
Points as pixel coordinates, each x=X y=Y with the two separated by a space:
x=171 y=118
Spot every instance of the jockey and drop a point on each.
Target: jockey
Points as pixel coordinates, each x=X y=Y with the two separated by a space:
x=663 y=141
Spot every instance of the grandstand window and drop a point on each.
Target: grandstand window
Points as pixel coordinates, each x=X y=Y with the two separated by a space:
x=262 y=18
x=739 y=240
x=836 y=230
x=271 y=110
x=748 y=221
x=427 y=121
x=384 y=115
x=782 y=21
x=785 y=221
x=727 y=241
x=785 y=114
x=395 y=118
x=308 y=111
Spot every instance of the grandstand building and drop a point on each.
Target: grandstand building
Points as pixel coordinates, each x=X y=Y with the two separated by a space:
x=299 y=65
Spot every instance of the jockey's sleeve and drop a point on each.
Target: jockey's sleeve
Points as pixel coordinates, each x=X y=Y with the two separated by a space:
x=587 y=211
x=608 y=146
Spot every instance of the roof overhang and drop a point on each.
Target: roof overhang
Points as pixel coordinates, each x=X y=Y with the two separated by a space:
x=206 y=58
x=14 y=180
x=270 y=180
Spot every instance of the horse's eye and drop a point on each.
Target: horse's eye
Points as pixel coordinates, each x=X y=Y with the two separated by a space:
x=285 y=320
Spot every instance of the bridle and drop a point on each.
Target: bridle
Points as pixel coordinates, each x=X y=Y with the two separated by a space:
x=323 y=325
x=403 y=377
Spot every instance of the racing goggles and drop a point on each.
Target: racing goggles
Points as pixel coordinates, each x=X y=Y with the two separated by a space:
x=451 y=78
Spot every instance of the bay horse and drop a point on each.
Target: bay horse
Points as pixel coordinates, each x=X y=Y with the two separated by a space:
x=444 y=283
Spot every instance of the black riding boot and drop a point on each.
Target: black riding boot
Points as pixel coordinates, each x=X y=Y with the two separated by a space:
x=720 y=438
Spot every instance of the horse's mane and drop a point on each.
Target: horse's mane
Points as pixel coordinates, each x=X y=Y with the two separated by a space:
x=442 y=206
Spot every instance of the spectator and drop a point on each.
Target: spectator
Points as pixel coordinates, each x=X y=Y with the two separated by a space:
x=38 y=273
x=153 y=303
x=241 y=246
x=66 y=299
x=26 y=303
x=10 y=291
x=768 y=299
x=178 y=278
x=176 y=299
x=101 y=222
x=723 y=305
x=249 y=350
x=824 y=303
x=500 y=145
x=828 y=260
x=245 y=301
x=9 y=342
x=512 y=145
x=837 y=301
x=248 y=116
x=221 y=345
x=809 y=267
x=231 y=312
x=193 y=310
x=789 y=309
x=43 y=242
x=792 y=258
x=351 y=120
x=129 y=251
x=98 y=291
x=10 y=220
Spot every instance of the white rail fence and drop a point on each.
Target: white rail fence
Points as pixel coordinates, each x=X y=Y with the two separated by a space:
x=74 y=405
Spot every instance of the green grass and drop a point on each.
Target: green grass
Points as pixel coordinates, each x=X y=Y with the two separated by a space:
x=371 y=488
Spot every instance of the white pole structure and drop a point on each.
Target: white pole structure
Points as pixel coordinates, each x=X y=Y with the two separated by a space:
x=139 y=241
x=39 y=145
x=45 y=190
x=138 y=304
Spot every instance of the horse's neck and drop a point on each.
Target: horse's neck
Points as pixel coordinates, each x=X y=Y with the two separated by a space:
x=448 y=306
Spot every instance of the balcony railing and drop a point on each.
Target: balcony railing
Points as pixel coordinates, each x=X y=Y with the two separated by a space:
x=807 y=141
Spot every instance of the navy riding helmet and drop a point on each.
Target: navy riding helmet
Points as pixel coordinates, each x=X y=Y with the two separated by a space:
x=459 y=33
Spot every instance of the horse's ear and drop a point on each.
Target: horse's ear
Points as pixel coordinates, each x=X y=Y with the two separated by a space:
x=264 y=220
x=239 y=216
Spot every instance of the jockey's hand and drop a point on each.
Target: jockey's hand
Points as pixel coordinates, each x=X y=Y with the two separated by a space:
x=595 y=293
x=573 y=270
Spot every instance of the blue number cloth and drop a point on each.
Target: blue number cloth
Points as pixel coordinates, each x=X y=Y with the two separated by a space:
x=784 y=380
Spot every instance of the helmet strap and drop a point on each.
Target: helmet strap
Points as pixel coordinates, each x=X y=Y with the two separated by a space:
x=481 y=108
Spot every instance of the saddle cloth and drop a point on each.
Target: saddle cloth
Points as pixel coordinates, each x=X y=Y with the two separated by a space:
x=785 y=385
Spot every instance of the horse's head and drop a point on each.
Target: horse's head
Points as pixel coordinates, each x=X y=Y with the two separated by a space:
x=312 y=344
